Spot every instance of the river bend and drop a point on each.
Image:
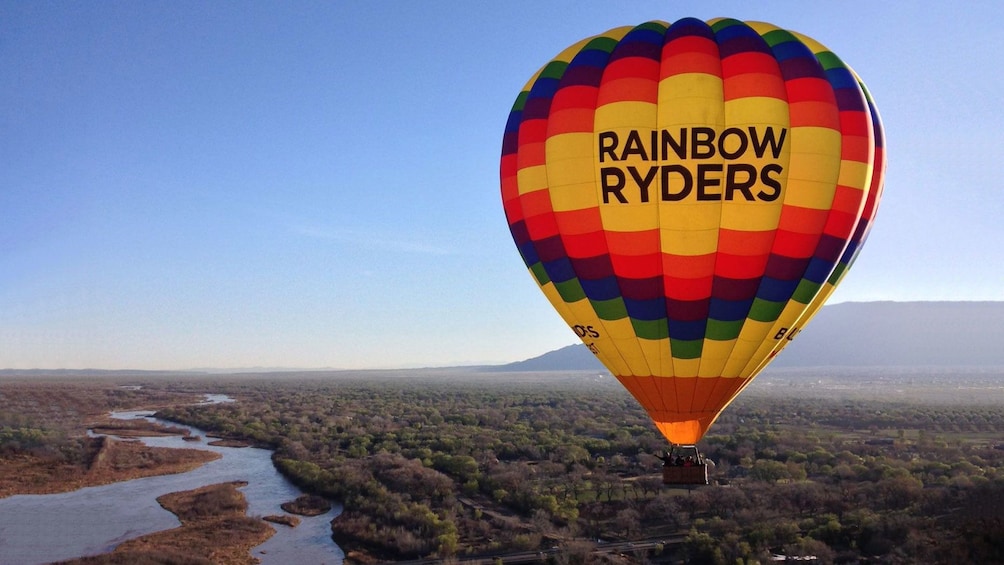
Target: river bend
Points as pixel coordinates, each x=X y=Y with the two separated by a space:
x=37 y=529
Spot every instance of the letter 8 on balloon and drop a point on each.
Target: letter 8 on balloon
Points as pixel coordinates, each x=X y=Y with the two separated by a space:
x=687 y=195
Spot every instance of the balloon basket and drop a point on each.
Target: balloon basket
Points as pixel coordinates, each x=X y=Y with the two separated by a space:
x=684 y=465
x=696 y=475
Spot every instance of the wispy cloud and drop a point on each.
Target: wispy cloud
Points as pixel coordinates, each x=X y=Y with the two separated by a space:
x=371 y=239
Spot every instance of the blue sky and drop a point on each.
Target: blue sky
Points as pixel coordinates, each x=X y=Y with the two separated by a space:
x=241 y=184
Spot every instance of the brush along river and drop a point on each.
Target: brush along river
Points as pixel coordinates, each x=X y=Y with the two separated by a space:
x=93 y=520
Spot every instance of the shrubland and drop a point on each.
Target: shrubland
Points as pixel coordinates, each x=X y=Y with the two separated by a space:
x=451 y=467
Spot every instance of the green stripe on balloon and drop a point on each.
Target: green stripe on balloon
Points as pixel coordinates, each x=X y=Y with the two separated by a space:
x=539 y=273
x=612 y=309
x=723 y=330
x=765 y=310
x=686 y=349
x=651 y=329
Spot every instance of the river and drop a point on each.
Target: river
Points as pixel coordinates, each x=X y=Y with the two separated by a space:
x=36 y=529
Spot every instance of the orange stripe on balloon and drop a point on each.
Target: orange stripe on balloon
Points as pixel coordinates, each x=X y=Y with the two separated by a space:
x=636 y=266
x=691 y=43
x=627 y=90
x=643 y=242
x=583 y=221
x=581 y=246
x=685 y=388
x=513 y=210
x=847 y=199
x=631 y=68
x=536 y=203
x=691 y=54
x=645 y=390
x=814 y=114
x=692 y=265
x=802 y=220
x=810 y=89
x=855 y=148
x=510 y=188
x=840 y=224
x=571 y=120
x=745 y=242
x=574 y=96
x=690 y=62
x=695 y=288
x=856 y=123
x=711 y=394
x=532 y=131
x=532 y=154
x=508 y=166
x=795 y=244
x=541 y=226
x=750 y=62
x=753 y=84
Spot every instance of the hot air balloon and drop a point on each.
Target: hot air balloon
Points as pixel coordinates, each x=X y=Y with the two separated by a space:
x=687 y=195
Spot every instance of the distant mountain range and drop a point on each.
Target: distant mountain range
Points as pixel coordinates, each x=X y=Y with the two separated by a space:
x=851 y=334
x=861 y=334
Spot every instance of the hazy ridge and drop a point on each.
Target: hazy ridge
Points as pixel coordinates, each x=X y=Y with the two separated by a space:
x=858 y=334
x=850 y=334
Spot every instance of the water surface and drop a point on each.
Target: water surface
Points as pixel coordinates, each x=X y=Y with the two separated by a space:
x=37 y=529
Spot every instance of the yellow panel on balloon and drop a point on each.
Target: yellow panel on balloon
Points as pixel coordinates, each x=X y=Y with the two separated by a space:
x=689 y=242
x=532 y=179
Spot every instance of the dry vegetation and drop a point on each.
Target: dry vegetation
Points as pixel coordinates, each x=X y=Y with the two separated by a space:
x=307 y=505
x=460 y=467
x=110 y=461
x=455 y=468
x=44 y=447
x=134 y=428
x=284 y=519
x=214 y=530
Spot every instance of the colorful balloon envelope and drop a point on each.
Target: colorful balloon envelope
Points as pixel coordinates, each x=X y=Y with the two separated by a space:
x=687 y=196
